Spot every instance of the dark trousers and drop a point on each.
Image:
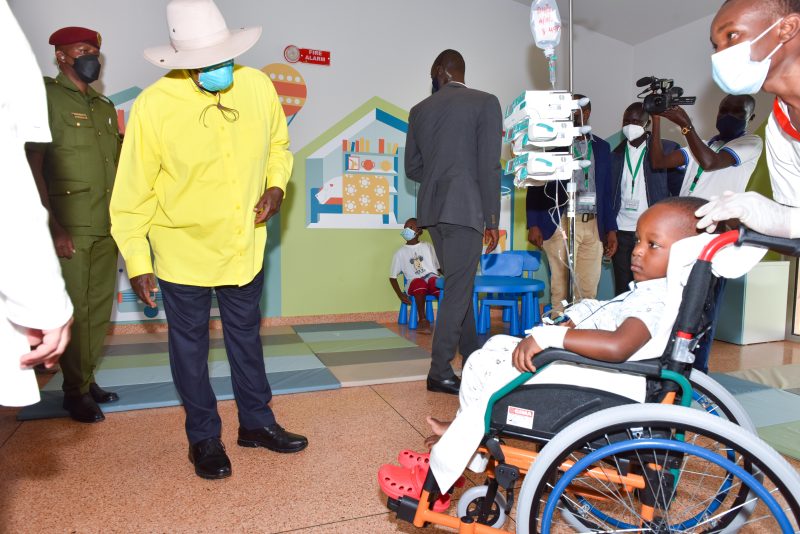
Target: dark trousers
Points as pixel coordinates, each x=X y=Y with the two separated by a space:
x=188 y=309
x=458 y=249
x=89 y=276
x=622 y=261
x=703 y=349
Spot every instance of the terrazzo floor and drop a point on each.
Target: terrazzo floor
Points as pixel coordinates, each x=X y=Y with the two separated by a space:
x=131 y=472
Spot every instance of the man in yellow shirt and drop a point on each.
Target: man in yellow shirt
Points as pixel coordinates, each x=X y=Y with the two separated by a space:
x=204 y=165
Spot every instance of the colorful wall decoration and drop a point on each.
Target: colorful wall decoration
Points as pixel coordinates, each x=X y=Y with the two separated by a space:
x=290 y=86
x=354 y=180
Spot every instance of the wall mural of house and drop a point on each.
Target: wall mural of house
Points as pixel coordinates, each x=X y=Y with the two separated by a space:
x=357 y=179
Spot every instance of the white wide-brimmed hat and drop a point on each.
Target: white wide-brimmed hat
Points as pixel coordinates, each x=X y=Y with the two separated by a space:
x=199 y=37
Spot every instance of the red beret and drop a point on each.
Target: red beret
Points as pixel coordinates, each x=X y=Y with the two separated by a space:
x=75 y=34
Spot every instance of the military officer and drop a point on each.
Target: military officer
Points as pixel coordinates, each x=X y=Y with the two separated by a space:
x=75 y=176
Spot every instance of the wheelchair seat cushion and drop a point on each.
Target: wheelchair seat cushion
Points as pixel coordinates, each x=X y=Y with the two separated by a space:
x=540 y=411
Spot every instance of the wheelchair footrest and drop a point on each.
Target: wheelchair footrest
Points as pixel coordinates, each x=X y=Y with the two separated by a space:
x=397 y=482
x=404 y=507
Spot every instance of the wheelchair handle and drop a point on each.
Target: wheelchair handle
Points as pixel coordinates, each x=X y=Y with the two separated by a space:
x=784 y=245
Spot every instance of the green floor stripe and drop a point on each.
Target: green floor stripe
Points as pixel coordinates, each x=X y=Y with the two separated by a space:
x=785 y=438
x=354 y=345
x=335 y=327
x=334 y=359
x=359 y=334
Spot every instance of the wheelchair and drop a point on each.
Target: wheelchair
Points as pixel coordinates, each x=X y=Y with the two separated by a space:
x=686 y=460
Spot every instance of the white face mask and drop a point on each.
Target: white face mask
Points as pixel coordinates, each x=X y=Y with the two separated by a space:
x=632 y=131
x=736 y=73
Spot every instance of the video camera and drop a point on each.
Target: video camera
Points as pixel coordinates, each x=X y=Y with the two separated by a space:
x=662 y=95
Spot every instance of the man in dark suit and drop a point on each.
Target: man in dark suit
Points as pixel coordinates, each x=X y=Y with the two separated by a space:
x=453 y=151
x=595 y=222
x=637 y=186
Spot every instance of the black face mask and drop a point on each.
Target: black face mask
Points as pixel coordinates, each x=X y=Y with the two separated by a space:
x=730 y=127
x=434 y=85
x=87 y=67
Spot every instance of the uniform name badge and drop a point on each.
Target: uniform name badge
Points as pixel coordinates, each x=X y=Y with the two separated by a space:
x=631 y=204
x=587 y=201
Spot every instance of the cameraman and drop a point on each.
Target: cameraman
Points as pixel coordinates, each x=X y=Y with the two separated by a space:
x=724 y=162
x=768 y=31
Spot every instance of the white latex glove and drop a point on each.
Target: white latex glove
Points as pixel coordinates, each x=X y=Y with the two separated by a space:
x=754 y=211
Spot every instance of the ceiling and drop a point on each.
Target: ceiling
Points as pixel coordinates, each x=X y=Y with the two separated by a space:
x=634 y=21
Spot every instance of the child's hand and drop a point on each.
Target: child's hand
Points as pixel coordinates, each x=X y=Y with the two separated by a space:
x=405 y=300
x=524 y=353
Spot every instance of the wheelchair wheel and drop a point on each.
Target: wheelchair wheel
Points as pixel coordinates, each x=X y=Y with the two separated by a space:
x=472 y=500
x=720 y=478
x=710 y=396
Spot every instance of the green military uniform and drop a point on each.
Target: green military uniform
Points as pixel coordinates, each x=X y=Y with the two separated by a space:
x=79 y=169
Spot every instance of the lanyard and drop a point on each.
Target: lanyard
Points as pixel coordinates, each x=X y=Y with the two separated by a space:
x=588 y=158
x=633 y=172
x=700 y=170
x=783 y=120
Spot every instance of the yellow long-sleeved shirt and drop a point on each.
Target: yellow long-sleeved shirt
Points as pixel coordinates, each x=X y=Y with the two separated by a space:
x=188 y=179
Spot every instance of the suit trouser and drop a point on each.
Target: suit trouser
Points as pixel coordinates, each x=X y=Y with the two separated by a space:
x=90 y=276
x=626 y=241
x=588 y=259
x=188 y=309
x=459 y=250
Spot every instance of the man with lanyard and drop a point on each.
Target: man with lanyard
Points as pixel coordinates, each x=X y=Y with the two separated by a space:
x=595 y=227
x=724 y=163
x=75 y=175
x=756 y=45
x=637 y=186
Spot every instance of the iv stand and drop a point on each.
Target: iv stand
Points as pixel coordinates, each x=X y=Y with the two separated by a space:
x=571 y=186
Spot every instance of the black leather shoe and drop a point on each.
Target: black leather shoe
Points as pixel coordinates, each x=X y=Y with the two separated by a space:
x=83 y=408
x=450 y=385
x=272 y=437
x=209 y=459
x=101 y=395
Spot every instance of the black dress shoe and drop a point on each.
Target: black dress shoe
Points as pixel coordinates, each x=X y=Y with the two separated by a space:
x=209 y=459
x=83 y=408
x=450 y=385
x=272 y=437
x=101 y=395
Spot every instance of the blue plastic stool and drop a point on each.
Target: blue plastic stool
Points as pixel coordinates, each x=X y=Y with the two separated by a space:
x=510 y=305
x=409 y=315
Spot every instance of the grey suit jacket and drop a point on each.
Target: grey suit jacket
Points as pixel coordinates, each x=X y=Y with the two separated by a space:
x=453 y=151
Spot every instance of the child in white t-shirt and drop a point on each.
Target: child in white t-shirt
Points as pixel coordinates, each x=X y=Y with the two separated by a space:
x=417 y=262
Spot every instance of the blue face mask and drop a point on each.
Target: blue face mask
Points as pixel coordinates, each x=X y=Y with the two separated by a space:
x=408 y=234
x=216 y=77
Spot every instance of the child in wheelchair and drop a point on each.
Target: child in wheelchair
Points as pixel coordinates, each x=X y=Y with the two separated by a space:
x=622 y=329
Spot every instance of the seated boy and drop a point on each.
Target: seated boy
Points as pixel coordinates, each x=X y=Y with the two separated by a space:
x=419 y=265
x=615 y=331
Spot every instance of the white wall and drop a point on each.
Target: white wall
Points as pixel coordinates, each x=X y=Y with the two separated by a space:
x=607 y=70
x=379 y=48
x=603 y=70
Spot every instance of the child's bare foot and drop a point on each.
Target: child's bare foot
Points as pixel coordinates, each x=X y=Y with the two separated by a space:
x=424 y=327
x=430 y=441
x=438 y=427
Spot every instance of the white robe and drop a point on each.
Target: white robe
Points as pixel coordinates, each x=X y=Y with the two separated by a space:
x=32 y=292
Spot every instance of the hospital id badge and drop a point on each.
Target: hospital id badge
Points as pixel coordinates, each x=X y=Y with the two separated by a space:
x=586 y=201
x=631 y=204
